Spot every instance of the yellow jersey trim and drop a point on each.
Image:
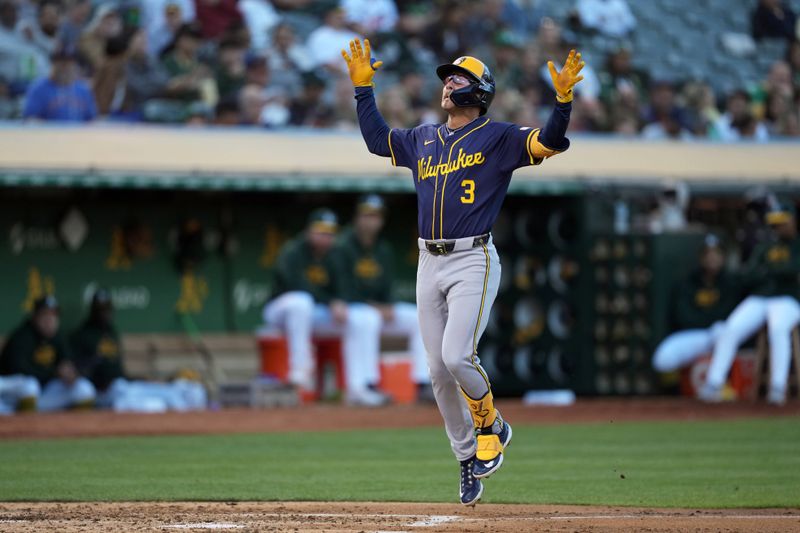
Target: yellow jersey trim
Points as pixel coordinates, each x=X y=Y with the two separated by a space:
x=480 y=317
x=391 y=151
x=449 y=155
x=527 y=145
x=435 y=190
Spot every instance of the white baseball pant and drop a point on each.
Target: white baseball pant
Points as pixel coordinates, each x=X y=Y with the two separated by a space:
x=15 y=388
x=683 y=347
x=299 y=317
x=780 y=314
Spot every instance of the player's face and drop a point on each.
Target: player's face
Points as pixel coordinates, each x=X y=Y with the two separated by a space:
x=785 y=230
x=452 y=83
x=369 y=223
x=47 y=322
x=321 y=241
x=712 y=260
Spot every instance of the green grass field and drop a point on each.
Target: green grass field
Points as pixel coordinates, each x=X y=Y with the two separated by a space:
x=753 y=463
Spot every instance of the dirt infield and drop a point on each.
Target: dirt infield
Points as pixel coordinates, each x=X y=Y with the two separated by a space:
x=298 y=517
x=336 y=417
x=377 y=517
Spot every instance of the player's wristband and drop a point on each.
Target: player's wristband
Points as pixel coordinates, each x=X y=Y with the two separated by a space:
x=565 y=99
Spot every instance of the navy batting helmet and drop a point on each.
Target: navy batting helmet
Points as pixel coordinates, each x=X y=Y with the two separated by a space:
x=480 y=92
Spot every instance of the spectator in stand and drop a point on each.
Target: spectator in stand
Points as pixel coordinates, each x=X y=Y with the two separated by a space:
x=664 y=118
x=227 y=113
x=738 y=122
x=774 y=19
x=506 y=51
x=145 y=77
x=530 y=82
x=619 y=78
x=261 y=19
x=190 y=80
x=37 y=349
x=309 y=108
x=326 y=42
x=782 y=116
x=779 y=81
x=553 y=44
x=162 y=19
x=370 y=17
x=793 y=60
x=75 y=20
x=260 y=102
x=290 y=58
x=395 y=105
x=701 y=105
x=612 y=18
x=447 y=35
x=108 y=82
x=216 y=17
x=20 y=62
x=484 y=22
x=414 y=17
x=106 y=24
x=523 y=17
x=62 y=96
x=42 y=31
x=230 y=68
x=419 y=95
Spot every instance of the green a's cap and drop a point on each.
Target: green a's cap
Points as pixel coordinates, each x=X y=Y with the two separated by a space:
x=711 y=240
x=45 y=302
x=370 y=203
x=780 y=213
x=323 y=220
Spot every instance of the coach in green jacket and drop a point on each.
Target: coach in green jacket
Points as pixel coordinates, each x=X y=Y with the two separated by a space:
x=366 y=265
x=37 y=349
x=308 y=299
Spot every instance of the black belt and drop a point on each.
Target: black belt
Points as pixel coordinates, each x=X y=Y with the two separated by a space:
x=445 y=247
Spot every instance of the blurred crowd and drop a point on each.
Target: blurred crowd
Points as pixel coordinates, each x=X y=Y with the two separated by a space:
x=277 y=63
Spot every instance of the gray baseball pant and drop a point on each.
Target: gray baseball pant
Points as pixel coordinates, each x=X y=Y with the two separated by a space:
x=455 y=293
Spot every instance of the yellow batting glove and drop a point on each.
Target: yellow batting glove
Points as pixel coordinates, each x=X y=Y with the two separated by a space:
x=360 y=64
x=565 y=80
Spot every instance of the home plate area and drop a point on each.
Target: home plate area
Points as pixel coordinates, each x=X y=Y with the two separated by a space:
x=302 y=517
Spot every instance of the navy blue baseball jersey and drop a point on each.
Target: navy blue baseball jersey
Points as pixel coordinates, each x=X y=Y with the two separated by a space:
x=461 y=177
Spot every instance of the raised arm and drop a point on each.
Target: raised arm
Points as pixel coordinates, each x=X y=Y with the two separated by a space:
x=362 y=69
x=551 y=139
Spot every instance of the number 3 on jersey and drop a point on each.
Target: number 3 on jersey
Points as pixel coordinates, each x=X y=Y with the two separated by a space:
x=469 y=191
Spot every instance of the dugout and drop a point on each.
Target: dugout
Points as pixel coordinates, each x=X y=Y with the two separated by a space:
x=583 y=296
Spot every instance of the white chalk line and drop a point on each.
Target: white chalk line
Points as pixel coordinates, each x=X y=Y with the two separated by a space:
x=206 y=525
x=434 y=520
x=423 y=521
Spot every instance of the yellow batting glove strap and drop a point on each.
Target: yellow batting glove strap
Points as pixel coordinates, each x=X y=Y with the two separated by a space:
x=359 y=63
x=489 y=447
x=565 y=80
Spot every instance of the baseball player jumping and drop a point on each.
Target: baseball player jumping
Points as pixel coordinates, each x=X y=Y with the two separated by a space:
x=461 y=172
